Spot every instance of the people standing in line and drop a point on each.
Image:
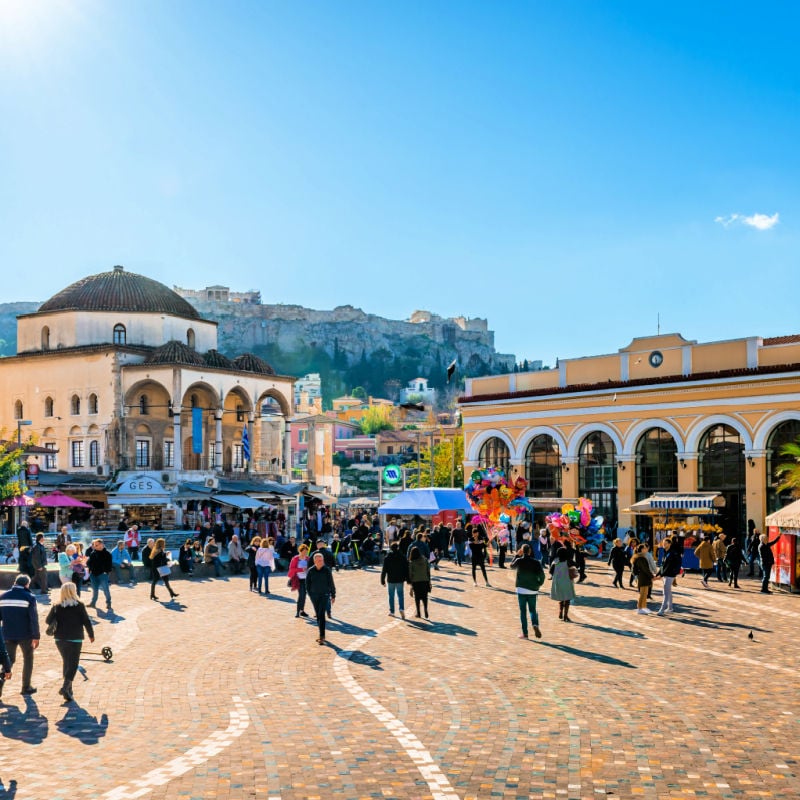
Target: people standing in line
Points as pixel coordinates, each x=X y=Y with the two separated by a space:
x=252 y=549
x=671 y=566
x=160 y=569
x=321 y=591
x=39 y=558
x=561 y=586
x=20 y=626
x=265 y=563
x=705 y=557
x=766 y=559
x=186 y=558
x=640 y=566
x=458 y=539
x=236 y=558
x=393 y=574
x=618 y=560
x=530 y=577
x=298 y=571
x=478 y=555
x=71 y=620
x=719 y=551
x=132 y=541
x=121 y=560
x=100 y=565
x=733 y=559
x=419 y=576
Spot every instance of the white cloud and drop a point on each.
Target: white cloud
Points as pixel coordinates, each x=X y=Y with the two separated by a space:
x=761 y=222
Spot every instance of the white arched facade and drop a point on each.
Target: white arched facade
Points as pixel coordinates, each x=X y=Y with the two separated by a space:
x=531 y=433
x=695 y=433
x=768 y=425
x=593 y=427
x=635 y=433
x=480 y=440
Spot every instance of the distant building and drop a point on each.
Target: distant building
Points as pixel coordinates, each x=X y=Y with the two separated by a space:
x=219 y=294
x=418 y=391
x=308 y=393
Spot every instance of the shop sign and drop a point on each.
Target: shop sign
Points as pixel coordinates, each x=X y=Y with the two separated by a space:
x=32 y=475
x=141 y=484
x=392 y=474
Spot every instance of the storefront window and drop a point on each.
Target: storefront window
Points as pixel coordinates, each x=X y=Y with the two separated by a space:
x=494 y=453
x=656 y=463
x=543 y=467
x=597 y=475
x=720 y=466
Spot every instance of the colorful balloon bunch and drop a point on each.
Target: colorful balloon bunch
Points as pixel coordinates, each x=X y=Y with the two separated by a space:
x=494 y=498
x=578 y=525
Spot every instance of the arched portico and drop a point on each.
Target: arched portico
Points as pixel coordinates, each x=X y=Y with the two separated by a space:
x=480 y=440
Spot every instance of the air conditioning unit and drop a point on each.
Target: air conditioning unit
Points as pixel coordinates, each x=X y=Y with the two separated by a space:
x=104 y=470
x=212 y=483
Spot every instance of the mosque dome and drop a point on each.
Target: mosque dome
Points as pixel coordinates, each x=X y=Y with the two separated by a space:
x=252 y=363
x=175 y=352
x=213 y=358
x=120 y=291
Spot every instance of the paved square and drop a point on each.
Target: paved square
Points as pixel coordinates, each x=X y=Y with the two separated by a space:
x=227 y=695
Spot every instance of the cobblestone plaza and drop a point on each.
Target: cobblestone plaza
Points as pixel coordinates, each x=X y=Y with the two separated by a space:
x=226 y=694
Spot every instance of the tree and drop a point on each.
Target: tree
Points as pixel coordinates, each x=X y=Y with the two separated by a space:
x=10 y=469
x=376 y=419
x=360 y=392
x=789 y=471
x=443 y=465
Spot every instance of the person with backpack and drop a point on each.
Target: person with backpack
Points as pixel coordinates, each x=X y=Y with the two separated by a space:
x=530 y=577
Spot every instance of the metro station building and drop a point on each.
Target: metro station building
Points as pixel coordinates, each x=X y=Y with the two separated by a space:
x=661 y=415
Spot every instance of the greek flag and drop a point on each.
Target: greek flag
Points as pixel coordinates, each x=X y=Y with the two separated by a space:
x=245 y=444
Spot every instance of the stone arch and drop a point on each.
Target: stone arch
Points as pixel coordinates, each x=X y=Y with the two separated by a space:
x=285 y=407
x=478 y=441
x=695 y=433
x=767 y=426
x=577 y=437
x=531 y=433
x=158 y=397
x=634 y=434
x=200 y=388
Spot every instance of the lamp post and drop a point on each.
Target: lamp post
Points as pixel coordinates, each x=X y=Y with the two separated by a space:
x=20 y=423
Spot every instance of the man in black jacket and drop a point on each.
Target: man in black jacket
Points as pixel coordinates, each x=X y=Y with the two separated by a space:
x=395 y=572
x=321 y=590
x=100 y=564
x=39 y=559
x=20 y=626
x=767 y=559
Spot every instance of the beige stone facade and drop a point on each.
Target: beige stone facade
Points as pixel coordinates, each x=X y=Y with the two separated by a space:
x=662 y=414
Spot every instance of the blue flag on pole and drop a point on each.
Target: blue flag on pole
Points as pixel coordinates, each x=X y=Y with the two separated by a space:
x=245 y=444
x=197 y=430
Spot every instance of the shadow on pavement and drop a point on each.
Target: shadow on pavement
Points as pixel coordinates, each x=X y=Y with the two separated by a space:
x=617 y=631
x=446 y=628
x=8 y=792
x=601 y=657
x=448 y=602
x=27 y=726
x=348 y=628
x=81 y=725
x=357 y=657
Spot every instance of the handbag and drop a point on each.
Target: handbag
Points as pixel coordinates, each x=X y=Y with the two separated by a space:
x=164 y=571
x=50 y=630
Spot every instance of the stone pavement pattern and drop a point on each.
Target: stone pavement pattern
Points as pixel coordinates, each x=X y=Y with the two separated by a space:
x=227 y=695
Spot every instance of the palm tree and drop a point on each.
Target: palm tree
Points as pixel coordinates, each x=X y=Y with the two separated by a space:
x=789 y=471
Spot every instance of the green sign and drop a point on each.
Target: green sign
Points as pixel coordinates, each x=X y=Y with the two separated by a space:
x=392 y=475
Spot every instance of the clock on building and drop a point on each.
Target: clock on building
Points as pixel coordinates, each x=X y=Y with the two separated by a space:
x=656 y=358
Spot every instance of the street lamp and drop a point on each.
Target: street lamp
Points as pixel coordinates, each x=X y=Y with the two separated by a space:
x=20 y=423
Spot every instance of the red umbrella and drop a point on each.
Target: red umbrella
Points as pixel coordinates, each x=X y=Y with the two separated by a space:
x=60 y=500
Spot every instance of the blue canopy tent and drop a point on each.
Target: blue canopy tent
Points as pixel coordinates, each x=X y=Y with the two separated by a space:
x=427 y=502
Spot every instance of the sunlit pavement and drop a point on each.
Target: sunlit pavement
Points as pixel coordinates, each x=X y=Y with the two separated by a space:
x=227 y=694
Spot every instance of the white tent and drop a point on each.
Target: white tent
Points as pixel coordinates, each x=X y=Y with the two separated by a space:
x=787 y=518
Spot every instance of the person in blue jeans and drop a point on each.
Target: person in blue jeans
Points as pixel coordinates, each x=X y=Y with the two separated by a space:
x=395 y=573
x=100 y=564
x=530 y=577
x=265 y=563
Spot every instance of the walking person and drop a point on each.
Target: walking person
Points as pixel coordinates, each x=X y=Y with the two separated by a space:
x=5 y=664
x=561 y=586
x=265 y=563
x=419 y=576
x=65 y=564
x=160 y=569
x=251 y=550
x=100 y=564
x=478 y=555
x=458 y=539
x=530 y=577
x=752 y=551
x=734 y=558
x=640 y=566
x=705 y=557
x=671 y=566
x=767 y=560
x=394 y=572
x=20 y=627
x=39 y=558
x=70 y=618
x=719 y=550
x=618 y=560
x=298 y=571
x=321 y=590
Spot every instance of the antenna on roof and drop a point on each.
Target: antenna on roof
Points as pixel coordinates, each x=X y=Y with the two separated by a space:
x=658 y=323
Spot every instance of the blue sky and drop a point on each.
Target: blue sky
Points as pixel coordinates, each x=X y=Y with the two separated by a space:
x=568 y=170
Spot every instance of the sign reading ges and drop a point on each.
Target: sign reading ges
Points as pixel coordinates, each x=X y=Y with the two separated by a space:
x=141 y=484
x=392 y=475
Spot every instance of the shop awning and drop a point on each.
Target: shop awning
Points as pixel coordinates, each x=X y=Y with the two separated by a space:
x=427 y=502
x=237 y=501
x=687 y=501
x=317 y=495
x=786 y=517
x=139 y=500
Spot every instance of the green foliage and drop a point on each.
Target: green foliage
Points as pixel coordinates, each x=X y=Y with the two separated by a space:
x=444 y=469
x=789 y=471
x=376 y=419
x=360 y=392
x=10 y=459
x=341 y=460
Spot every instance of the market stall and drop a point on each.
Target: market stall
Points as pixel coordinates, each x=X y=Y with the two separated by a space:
x=786 y=524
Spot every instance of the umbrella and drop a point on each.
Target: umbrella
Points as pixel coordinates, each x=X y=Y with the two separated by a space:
x=21 y=500
x=60 y=500
x=427 y=502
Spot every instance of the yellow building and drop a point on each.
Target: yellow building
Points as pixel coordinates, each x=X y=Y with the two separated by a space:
x=662 y=414
x=119 y=375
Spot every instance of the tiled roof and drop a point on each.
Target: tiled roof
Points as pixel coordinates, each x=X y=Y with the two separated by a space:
x=248 y=362
x=121 y=291
x=781 y=340
x=639 y=382
x=213 y=358
x=175 y=352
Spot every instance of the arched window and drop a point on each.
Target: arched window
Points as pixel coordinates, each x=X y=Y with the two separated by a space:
x=597 y=474
x=119 y=334
x=190 y=338
x=720 y=468
x=48 y=406
x=18 y=409
x=543 y=466
x=494 y=453
x=75 y=405
x=144 y=406
x=92 y=403
x=785 y=433
x=656 y=463
x=94 y=453
x=240 y=413
x=45 y=338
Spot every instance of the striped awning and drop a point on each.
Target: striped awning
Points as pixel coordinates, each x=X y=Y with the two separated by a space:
x=678 y=501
